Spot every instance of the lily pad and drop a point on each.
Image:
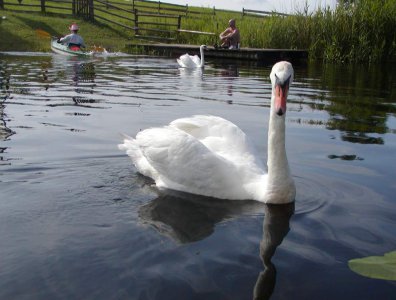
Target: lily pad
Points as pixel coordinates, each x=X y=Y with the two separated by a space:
x=378 y=267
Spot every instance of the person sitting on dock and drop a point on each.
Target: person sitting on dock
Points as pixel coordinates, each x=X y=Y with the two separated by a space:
x=230 y=38
x=73 y=40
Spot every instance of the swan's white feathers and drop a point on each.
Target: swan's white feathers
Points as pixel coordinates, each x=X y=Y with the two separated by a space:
x=164 y=152
x=192 y=61
x=211 y=156
x=283 y=70
x=188 y=61
x=135 y=153
x=196 y=59
x=220 y=136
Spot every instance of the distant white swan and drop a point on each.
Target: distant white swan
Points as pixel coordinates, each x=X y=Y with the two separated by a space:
x=210 y=156
x=190 y=61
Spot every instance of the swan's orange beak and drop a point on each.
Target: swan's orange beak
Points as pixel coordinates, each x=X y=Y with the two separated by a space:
x=280 y=98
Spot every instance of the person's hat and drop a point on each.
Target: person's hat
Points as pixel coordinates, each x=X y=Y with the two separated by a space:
x=73 y=27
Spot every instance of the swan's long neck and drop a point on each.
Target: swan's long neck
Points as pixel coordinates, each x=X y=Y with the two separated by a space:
x=280 y=185
x=277 y=159
x=201 y=50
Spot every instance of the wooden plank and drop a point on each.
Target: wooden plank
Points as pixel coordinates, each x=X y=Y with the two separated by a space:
x=196 y=32
x=156 y=3
x=148 y=14
x=151 y=8
x=155 y=23
x=257 y=11
x=60 y=1
x=263 y=12
x=146 y=6
x=22 y=5
x=118 y=3
x=177 y=10
x=252 y=54
x=115 y=7
x=113 y=14
x=113 y=22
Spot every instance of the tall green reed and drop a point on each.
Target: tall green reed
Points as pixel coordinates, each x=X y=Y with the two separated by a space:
x=363 y=31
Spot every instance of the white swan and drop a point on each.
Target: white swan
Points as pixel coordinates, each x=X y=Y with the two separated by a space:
x=189 y=61
x=211 y=156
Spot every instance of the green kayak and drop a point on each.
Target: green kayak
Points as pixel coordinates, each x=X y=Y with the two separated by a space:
x=65 y=50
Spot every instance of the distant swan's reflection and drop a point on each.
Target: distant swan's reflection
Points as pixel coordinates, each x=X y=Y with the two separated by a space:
x=191 y=73
x=275 y=228
x=187 y=218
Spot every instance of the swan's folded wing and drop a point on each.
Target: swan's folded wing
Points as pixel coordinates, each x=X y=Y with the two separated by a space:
x=186 y=62
x=202 y=126
x=220 y=136
x=183 y=163
x=196 y=60
x=181 y=63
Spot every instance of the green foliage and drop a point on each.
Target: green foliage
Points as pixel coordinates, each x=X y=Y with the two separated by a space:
x=360 y=32
x=355 y=31
x=378 y=267
x=19 y=30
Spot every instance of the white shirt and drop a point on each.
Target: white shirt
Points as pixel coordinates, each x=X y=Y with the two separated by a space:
x=73 y=38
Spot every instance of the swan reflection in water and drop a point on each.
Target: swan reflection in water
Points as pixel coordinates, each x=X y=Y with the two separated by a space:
x=191 y=78
x=188 y=218
x=275 y=228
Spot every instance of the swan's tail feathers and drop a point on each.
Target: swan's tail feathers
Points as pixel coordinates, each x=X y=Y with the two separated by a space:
x=131 y=148
x=134 y=151
x=128 y=141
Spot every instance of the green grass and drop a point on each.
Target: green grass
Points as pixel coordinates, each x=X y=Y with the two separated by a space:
x=363 y=32
x=19 y=32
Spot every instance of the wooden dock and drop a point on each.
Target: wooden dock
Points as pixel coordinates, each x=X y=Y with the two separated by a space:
x=247 y=54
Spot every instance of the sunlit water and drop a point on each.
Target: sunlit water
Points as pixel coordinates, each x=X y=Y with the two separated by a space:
x=78 y=222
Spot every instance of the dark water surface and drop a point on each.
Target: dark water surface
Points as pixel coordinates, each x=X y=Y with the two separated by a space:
x=77 y=222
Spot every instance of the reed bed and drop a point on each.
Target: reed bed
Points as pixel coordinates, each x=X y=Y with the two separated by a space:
x=362 y=31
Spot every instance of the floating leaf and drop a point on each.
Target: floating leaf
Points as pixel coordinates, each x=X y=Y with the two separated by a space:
x=378 y=267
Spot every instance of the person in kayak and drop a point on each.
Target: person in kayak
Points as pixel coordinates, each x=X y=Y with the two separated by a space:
x=73 y=40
